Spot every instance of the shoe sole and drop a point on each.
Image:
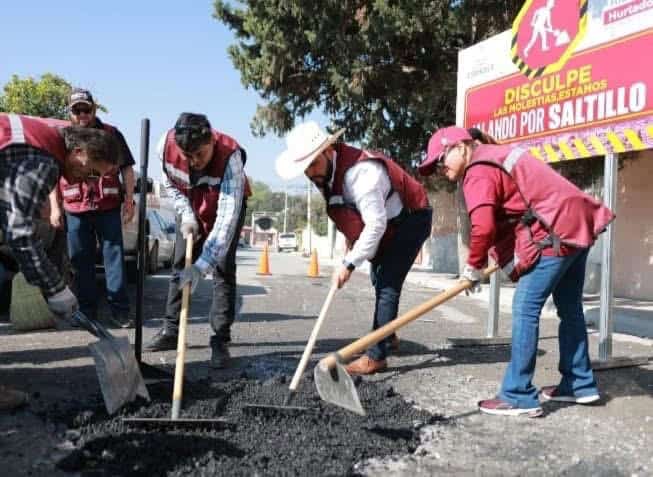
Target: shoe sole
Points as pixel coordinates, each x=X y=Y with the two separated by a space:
x=575 y=400
x=534 y=412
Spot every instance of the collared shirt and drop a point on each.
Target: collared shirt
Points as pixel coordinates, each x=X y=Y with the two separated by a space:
x=27 y=175
x=230 y=203
x=367 y=185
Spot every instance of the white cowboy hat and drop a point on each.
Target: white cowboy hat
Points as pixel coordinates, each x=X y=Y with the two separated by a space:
x=304 y=143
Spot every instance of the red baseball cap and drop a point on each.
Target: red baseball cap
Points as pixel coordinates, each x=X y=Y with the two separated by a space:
x=439 y=141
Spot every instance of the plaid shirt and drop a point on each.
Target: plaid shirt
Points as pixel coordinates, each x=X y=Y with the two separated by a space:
x=230 y=203
x=27 y=175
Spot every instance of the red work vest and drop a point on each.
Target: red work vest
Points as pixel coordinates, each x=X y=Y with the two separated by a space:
x=346 y=217
x=35 y=132
x=94 y=194
x=205 y=193
x=571 y=217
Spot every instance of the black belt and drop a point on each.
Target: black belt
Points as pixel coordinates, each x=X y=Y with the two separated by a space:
x=405 y=213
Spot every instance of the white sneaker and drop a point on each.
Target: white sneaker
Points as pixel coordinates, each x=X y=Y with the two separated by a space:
x=550 y=393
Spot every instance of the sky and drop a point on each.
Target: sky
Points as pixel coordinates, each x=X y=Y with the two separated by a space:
x=141 y=59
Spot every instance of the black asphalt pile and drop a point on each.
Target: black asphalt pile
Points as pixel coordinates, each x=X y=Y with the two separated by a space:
x=326 y=440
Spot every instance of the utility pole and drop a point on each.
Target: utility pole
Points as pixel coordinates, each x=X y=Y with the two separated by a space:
x=308 y=217
x=285 y=209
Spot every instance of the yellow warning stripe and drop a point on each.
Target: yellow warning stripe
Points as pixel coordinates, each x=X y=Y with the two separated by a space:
x=598 y=145
x=551 y=153
x=617 y=145
x=580 y=147
x=625 y=140
x=634 y=139
x=566 y=150
x=649 y=130
x=536 y=152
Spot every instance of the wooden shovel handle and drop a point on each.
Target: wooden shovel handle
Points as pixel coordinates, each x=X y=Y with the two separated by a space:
x=313 y=338
x=177 y=392
x=372 y=338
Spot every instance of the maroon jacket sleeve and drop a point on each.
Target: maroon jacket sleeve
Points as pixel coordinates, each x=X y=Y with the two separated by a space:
x=482 y=235
x=481 y=188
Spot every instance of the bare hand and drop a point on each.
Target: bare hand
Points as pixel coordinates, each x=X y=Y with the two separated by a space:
x=342 y=276
x=56 y=218
x=128 y=211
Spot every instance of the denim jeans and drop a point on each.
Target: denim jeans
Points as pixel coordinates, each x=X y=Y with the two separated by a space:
x=223 y=305
x=82 y=231
x=564 y=278
x=389 y=272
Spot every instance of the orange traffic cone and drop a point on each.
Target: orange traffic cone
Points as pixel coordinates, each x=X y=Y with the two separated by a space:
x=264 y=262
x=313 y=268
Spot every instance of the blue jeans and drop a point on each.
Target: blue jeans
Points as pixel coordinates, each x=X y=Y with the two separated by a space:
x=389 y=272
x=564 y=278
x=82 y=231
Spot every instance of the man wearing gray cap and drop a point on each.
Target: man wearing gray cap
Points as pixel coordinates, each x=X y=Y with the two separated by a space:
x=92 y=212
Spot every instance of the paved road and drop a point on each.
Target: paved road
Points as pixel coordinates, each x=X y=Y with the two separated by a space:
x=276 y=315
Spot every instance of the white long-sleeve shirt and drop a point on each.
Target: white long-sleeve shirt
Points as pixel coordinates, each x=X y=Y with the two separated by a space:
x=230 y=203
x=366 y=186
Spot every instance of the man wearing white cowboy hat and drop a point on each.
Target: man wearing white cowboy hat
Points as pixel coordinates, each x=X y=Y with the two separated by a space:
x=382 y=211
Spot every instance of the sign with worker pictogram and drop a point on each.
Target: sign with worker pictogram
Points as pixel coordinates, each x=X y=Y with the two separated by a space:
x=545 y=34
x=566 y=82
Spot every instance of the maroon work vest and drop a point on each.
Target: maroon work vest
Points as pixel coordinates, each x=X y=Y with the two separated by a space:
x=94 y=194
x=204 y=194
x=36 y=132
x=346 y=217
x=570 y=216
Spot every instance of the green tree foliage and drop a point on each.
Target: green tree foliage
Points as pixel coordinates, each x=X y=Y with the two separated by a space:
x=384 y=69
x=44 y=97
x=263 y=199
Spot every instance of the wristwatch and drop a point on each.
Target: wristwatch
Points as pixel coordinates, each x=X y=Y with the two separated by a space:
x=350 y=266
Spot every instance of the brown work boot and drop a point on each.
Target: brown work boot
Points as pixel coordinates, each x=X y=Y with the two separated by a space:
x=365 y=365
x=11 y=399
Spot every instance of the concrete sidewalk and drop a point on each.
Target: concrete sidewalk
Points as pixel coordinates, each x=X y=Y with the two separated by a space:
x=633 y=320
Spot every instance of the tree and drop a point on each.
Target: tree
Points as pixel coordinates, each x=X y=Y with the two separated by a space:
x=385 y=70
x=45 y=97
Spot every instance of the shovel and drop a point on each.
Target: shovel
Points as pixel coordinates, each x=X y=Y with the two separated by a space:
x=118 y=373
x=334 y=384
x=303 y=362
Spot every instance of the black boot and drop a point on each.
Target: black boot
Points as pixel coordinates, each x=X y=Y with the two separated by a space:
x=219 y=353
x=165 y=339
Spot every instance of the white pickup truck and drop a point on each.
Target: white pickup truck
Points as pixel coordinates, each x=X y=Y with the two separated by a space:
x=287 y=241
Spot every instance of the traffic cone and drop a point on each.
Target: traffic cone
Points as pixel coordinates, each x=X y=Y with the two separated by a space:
x=313 y=268
x=264 y=262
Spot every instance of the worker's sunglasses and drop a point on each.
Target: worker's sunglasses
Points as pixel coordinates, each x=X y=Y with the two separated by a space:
x=77 y=110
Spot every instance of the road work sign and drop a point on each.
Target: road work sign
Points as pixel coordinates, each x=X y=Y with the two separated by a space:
x=570 y=80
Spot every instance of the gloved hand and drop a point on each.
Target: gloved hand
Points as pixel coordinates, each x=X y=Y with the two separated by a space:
x=190 y=275
x=63 y=304
x=189 y=227
x=473 y=275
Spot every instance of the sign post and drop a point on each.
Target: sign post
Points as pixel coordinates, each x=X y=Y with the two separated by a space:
x=572 y=84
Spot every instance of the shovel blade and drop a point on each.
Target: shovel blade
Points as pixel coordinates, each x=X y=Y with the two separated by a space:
x=335 y=386
x=118 y=373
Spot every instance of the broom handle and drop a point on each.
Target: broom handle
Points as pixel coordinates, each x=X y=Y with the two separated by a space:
x=178 y=389
x=313 y=338
x=372 y=338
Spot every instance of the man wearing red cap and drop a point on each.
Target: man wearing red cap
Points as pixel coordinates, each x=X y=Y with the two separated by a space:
x=538 y=226
x=382 y=211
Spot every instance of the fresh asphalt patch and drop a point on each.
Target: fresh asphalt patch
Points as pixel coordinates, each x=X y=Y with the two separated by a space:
x=325 y=440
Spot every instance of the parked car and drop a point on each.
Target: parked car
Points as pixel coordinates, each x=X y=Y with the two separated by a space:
x=161 y=237
x=287 y=241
